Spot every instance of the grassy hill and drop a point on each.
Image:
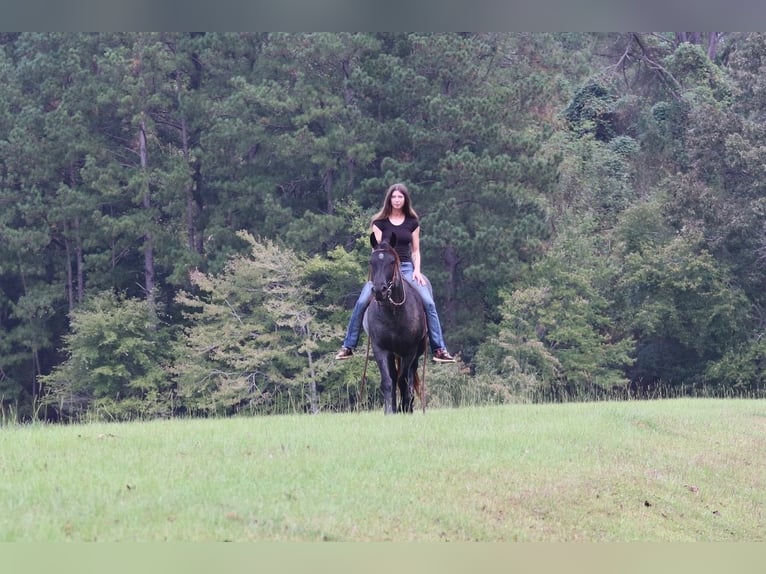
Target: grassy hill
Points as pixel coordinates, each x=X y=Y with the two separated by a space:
x=672 y=470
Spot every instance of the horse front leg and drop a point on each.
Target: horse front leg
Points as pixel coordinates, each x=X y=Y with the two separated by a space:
x=406 y=391
x=387 y=386
x=406 y=384
x=387 y=389
x=392 y=375
x=411 y=389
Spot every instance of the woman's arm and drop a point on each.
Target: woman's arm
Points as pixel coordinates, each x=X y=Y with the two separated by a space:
x=416 y=275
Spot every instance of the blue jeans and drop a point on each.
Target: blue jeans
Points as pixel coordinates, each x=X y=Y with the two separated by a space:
x=357 y=315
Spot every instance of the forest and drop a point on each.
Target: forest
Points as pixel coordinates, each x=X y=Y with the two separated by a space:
x=184 y=217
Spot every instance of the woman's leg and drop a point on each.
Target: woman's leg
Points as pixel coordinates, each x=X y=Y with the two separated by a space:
x=357 y=317
x=435 y=335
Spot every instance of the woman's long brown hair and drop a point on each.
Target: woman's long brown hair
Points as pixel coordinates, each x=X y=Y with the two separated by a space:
x=386 y=210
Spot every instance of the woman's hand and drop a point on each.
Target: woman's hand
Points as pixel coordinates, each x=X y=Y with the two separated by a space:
x=417 y=276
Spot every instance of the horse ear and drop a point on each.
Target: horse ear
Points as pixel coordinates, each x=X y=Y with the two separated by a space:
x=373 y=240
x=392 y=241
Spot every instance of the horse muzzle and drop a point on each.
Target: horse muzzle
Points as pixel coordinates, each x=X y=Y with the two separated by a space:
x=382 y=293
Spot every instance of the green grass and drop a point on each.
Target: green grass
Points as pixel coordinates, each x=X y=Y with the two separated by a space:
x=674 y=470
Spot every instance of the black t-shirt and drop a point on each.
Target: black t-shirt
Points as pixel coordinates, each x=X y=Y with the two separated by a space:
x=403 y=232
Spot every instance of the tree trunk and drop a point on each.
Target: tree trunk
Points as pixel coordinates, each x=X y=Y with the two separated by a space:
x=80 y=262
x=74 y=295
x=69 y=277
x=700 y=38
x=192 y=208
x=313 y=397
x=148 y=237
x=328 y=182
x=712 y=45
x=191 y=204
x=451 y=259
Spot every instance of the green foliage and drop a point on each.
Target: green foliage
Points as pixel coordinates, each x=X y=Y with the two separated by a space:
x=251 y=336
x=592 y=111
x=691 y=67
x=596 y=180
x=558 y=333
x=741 y=370
x=116 y=365
x=511 y=143
x=643 y=228
x=681 y=306
x=663 y=131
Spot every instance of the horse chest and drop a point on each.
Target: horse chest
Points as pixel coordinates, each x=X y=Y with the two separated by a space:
x=391 y=327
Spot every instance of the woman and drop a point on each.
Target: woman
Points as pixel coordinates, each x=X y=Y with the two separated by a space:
x=398 y=216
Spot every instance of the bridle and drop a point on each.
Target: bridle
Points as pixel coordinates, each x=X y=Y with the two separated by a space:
x=396 y=278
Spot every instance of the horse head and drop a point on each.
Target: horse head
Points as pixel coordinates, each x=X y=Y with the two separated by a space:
x=384 y=268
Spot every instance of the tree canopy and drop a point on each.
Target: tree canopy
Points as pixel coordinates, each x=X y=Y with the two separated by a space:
x=184 y=216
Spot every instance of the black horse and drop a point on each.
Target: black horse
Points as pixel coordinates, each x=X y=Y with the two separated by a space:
x=396 y=324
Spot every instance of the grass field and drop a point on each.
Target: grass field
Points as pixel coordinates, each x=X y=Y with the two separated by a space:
x=672 y=470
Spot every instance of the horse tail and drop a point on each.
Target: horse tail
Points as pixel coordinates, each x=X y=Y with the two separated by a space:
x=416 y=386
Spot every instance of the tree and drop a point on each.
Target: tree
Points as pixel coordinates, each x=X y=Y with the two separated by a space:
x=137 y=81
x=251 y=337
x=45 y=207
x=558 y=337
x=681 y=305
x=116 y=367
